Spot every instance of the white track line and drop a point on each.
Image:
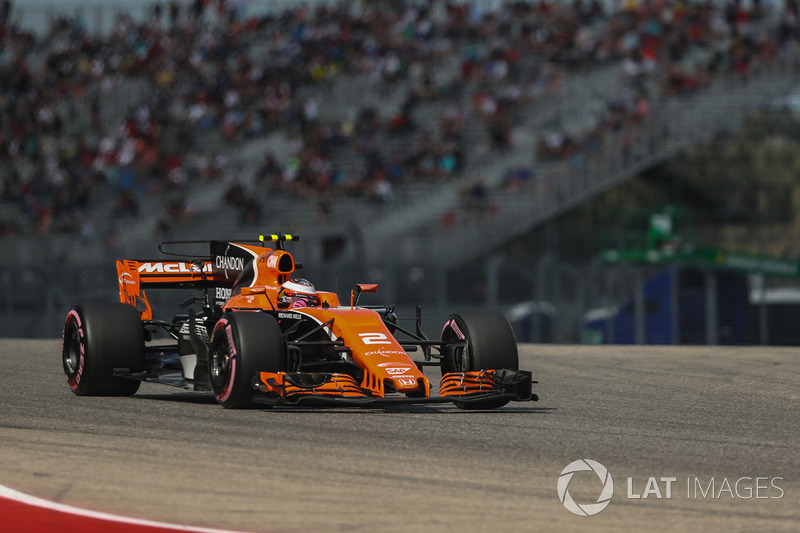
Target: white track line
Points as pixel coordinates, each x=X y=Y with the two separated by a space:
x=11 y=494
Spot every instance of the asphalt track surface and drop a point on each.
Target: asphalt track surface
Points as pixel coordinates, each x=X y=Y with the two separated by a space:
x=701 y=415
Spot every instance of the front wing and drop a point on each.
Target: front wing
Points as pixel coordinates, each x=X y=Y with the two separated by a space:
x=324 y=389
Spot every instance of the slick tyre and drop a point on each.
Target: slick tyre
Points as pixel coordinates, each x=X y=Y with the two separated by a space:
x=242 y=345
x=97 y=338
x=490 y=344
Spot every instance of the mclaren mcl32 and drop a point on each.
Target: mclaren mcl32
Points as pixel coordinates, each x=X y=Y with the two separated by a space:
x=253 y=333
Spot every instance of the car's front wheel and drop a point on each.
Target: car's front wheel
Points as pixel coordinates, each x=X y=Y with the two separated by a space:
x=242 y=344
x=486 y=342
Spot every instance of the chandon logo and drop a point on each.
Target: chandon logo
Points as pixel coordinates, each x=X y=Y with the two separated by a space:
x=586 y=509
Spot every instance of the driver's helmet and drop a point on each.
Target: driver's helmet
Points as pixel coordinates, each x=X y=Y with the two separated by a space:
x=298 y=292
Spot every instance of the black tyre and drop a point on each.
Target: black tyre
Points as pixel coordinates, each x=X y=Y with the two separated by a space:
x=243 y=344
x=490 y=344
x=97 y=338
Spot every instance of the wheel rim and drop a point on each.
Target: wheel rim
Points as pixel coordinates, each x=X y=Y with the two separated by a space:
x=72 y=352
x=220 y=365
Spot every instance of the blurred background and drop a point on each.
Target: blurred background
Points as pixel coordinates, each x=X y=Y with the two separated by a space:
x=600 y=171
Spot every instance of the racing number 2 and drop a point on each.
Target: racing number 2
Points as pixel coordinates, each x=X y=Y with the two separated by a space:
x=374 y=338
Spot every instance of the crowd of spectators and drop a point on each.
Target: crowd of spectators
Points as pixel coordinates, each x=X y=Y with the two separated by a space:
x=670 y=50
x=244 y=76
x=664 y=49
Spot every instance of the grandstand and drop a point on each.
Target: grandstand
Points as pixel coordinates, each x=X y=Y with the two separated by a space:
x=402 y=142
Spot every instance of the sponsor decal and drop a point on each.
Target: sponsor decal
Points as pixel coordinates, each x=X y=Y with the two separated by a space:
x=326 y=329
x=290 y=316
x=170 y=268
x=395 y=370
x=126 y=279
x=385 y=353
x=272 y=261
x=221 y=293
x=229 y=260
x=229 y=263
x=407 y=381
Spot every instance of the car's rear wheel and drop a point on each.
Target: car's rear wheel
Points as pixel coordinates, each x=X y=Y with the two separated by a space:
x=243 y=344
x=489 y=343
x=99 y=337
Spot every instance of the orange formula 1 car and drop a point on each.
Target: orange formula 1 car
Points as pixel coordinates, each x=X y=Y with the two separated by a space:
x=259 y=335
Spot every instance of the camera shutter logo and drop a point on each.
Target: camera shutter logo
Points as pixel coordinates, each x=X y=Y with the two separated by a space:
x=586 y=509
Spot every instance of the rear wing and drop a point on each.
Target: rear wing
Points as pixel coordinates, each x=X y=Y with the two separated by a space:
x=226 y=265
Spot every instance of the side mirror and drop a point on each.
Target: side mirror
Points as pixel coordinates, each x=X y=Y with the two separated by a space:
x=367 y=287
x=355 y=294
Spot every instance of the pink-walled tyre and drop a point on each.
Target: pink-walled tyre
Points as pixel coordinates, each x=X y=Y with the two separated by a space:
x=98 y=338
x=490 y=344
x=243 y=344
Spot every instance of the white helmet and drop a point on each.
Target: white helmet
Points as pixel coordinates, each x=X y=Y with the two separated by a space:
x=298 y=292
